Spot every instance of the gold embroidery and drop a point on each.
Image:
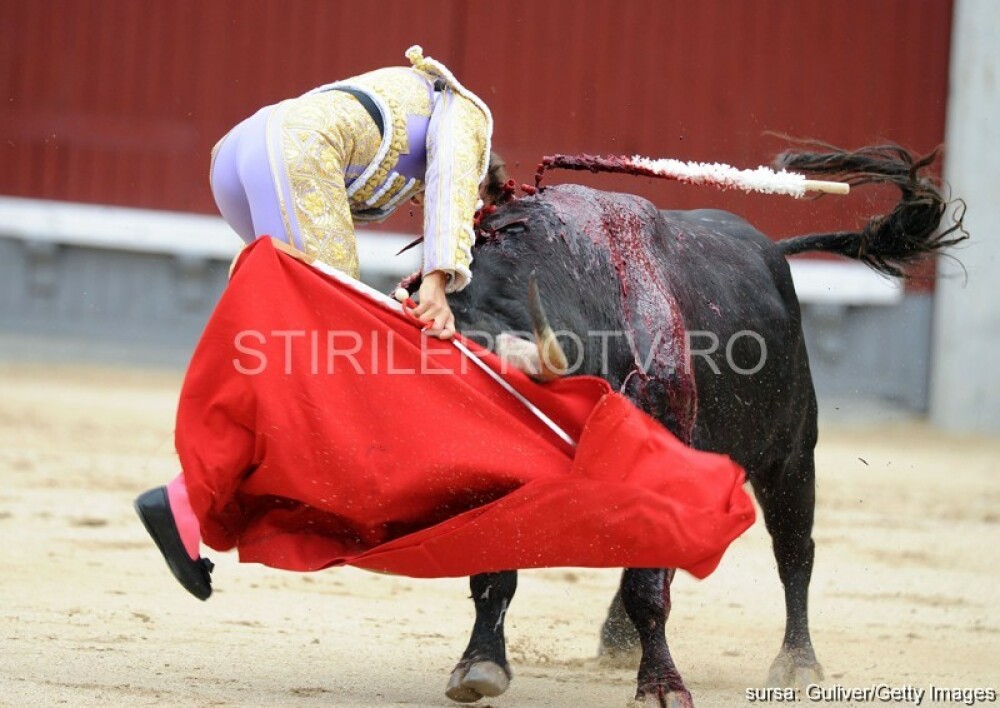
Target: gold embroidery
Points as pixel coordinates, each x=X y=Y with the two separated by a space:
x=405 y=92
x=434 y=69
x=274 y=164
x=327 y=133
x=398 y=143
x=405 y=85
x=389 y=191
x=320 y=135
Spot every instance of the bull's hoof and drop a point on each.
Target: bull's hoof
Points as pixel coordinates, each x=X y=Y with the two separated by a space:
x=794 y=668
x=470 y=682
x=664 y=699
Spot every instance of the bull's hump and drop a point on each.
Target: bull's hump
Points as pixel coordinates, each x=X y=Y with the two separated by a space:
x=632 y=232
x=592 y=208
x=628 y=228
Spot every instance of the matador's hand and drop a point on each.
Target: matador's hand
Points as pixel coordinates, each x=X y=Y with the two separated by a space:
x=434 y=307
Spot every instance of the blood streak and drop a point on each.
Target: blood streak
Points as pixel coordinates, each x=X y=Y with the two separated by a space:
x=629 y=230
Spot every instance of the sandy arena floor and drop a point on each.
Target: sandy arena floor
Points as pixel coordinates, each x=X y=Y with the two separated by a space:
x=905 y=590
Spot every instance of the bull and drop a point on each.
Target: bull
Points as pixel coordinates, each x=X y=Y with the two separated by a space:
x=612 y=263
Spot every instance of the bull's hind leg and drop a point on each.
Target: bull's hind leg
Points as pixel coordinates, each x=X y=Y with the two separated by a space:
x=788 y=498
x=483 y=669
x=645 y=596
x=670 y=398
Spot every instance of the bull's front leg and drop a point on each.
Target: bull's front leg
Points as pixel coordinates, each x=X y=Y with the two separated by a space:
x=483 y=669
x=645 y=595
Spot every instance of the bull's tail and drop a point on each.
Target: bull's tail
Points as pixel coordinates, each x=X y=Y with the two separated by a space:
x=890 y=242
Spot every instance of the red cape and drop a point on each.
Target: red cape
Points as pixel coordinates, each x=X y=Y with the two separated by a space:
x=317 y=428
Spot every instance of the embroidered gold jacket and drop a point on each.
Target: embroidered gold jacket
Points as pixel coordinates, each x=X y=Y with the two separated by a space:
x=458 y=132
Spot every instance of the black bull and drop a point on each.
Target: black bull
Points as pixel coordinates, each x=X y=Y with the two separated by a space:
x=646 y=281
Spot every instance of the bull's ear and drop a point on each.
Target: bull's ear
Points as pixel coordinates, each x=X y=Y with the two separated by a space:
x=503 y=219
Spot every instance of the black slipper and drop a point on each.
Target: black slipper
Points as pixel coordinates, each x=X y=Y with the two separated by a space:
x=153 y=508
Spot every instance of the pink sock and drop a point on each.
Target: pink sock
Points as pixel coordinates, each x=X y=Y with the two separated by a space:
x=184 y=517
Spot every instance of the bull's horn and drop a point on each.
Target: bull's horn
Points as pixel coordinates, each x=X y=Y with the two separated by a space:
x=552 y=358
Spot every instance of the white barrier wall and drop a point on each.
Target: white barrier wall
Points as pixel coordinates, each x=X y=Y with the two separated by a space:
x=965 y=389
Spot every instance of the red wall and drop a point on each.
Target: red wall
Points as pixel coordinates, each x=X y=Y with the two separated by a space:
x=120 y=101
